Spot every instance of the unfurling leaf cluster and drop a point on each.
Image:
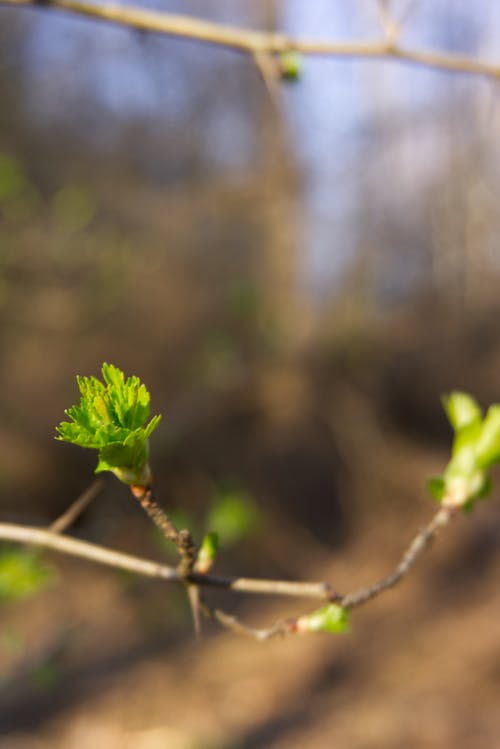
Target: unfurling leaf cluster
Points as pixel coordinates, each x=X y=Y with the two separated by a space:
x=111 y=418
x=476 y=448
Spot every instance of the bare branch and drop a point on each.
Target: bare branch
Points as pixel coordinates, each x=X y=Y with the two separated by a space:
x=229 y=621
x=72 y=546
x=318 y=591
x=267 y=67
x=419 y=544
x=388 y=22
x=258 y=42
x=119 y=560
x=181 y=539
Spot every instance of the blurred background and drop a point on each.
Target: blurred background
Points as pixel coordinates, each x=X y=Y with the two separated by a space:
x=297 y=289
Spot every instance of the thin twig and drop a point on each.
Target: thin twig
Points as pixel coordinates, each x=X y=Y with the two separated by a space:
x=253 y=42
x=111 y=558
x=267 y=67
x=229 y=621
x=318 y=591
x=64 y=521
x=388 y=22
x=72 y=546
x=419 y=544
x=183 y=541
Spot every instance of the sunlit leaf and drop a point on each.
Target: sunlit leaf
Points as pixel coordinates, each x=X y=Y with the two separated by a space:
x=332 y=618
x=461 y=409
x=111 y=418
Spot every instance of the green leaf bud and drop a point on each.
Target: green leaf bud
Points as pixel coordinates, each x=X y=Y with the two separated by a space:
x=332 y=618
x=207 y=553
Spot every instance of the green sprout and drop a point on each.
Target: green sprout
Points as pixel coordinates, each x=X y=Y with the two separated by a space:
x=290 y=66
x=111 y=418
x=331 y=618
x=476 y=448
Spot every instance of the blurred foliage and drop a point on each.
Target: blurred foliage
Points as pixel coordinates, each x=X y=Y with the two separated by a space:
x=12 y=641
x=47 y=675
x=233 y=515
x=22 y=574
x=73 y=208
x=18 y=196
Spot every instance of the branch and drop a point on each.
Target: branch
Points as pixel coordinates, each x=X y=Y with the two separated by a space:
x=64 y=521
x=279 y=628
x=416 y=548
x=257 y=43
x=320 y=591
x=119 y=560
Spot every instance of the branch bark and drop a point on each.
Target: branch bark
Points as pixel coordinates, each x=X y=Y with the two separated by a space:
x=319 y=591
x=257 y=43
x=111 y=558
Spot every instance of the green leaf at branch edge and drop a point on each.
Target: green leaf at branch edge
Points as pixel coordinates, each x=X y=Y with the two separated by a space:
x=332 y=618
x=462 y=409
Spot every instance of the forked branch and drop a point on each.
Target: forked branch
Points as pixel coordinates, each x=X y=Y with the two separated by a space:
x=259 y=43
x=320 y=591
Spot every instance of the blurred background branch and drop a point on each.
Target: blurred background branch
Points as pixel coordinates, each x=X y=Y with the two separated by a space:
x=259 y=43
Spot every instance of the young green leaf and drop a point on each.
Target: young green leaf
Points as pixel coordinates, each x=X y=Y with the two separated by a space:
x=461 y=409
x=111 y=418
x=207 y=553
x=476 y=447
x=332 y=618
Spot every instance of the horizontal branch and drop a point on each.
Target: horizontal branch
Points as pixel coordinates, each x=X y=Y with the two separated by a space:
x=260 y=42
x=95 y=553
x=319 y=591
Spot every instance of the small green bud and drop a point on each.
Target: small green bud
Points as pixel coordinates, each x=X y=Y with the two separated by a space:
x=207 y=553
x=332 y=618
x=290 y=66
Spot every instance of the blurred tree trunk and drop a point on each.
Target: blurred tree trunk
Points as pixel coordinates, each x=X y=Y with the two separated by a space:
x=279 y=273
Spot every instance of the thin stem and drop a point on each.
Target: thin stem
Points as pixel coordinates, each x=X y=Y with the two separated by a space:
x=182 y=539
x=102 y=555
x=64 y=521
x=66 y=545
x=416 y=548
x=321 y=591
x=229 y=621
x=258 y=42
